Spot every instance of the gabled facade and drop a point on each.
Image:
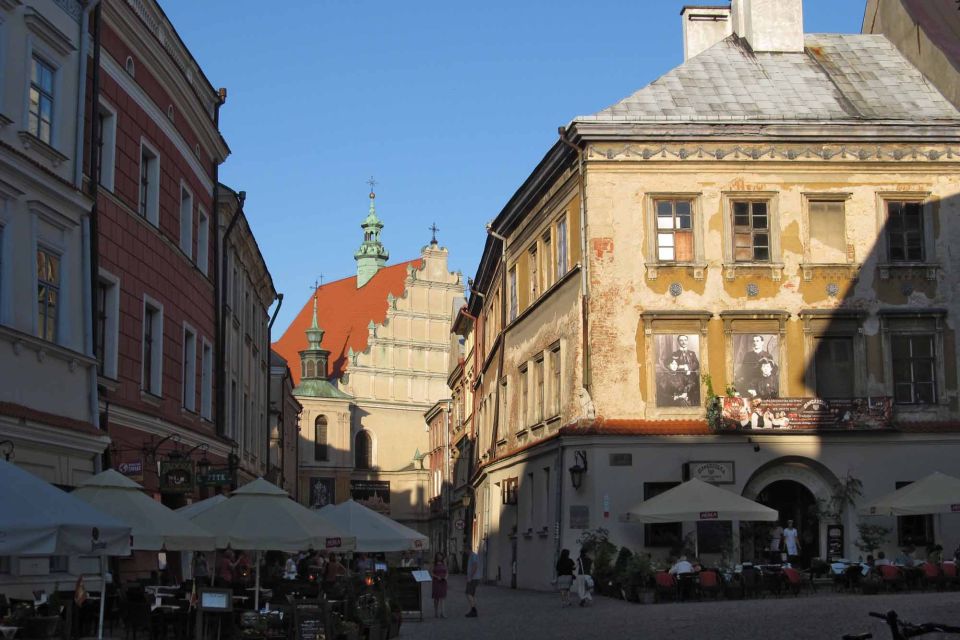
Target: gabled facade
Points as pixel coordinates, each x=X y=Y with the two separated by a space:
x=739 y=273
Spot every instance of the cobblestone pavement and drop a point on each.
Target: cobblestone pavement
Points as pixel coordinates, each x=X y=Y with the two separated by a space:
x=506 y=615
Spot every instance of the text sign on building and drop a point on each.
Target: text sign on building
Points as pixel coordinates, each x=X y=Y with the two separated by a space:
x=217 y=477
x=708 y=515
x=176 y=476
x=133 y=469
x=785 y=415
x=713 y=472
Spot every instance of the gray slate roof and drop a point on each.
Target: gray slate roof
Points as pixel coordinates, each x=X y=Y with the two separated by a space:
x=839 y=77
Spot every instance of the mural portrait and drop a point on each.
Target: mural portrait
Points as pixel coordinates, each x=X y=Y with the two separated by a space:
x=756 y=365
x=678 y=370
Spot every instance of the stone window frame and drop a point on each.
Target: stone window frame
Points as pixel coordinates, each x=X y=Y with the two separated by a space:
x=731 y=267
x=777 y=321
x=654 y=322
x=930 y=265
x=840 y=329
x=524 y=410
x=653 y=264
x=915 y=322
x=810 y=263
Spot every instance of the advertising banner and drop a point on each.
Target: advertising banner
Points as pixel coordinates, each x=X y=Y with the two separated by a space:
x=176 y=476
x=773 y=415
x=374 y=494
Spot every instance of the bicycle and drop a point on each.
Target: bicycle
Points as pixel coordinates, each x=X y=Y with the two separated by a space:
x=900 y=630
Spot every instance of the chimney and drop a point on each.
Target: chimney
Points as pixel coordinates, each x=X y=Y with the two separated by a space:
x=703 y=27
x=771 y=26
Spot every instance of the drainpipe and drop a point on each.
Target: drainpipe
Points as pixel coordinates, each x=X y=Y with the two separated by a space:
x=273 y=319
x=584 y=259
x=221 y=324
x=503 y=323
x=557 y=522
x=217 y=288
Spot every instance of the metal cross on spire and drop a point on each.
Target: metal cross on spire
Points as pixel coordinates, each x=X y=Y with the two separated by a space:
x=372 y=183
x=317 y=283
x=434 y=228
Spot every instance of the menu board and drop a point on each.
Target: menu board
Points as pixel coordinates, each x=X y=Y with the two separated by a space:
x=834 y=542
x=216 y=600
x=408 y=591
x=310 y=623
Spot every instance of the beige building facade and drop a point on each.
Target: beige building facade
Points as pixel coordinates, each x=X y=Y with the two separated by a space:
x=739 y=273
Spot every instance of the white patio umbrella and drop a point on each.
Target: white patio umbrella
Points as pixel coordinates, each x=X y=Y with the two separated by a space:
x=696 y=500
x=374 y=532
x=155 y=527
x=192 y=510
x=935 y=493
x=261 y=517
x=37 y=518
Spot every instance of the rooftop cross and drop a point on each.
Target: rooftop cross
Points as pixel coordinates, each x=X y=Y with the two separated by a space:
x=372 y=183
x=434 y=228
x=317 y=283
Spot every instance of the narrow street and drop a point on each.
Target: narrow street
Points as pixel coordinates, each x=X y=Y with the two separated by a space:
x=530 y=615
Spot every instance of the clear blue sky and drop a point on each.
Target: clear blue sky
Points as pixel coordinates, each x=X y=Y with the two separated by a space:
x=448 y=104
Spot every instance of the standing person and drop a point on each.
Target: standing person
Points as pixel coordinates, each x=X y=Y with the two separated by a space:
x=565 y=569
x=775 y=536
x=473 y=580
x=584 y=579
x=201 y=570
x=439 y=586
x=290 y=568
x=405 y=559
x=225 y=568
x=791 y=541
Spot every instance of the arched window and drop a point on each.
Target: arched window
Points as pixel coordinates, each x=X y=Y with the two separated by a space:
x=311 y=369
x=320 y=439
x=363 y=451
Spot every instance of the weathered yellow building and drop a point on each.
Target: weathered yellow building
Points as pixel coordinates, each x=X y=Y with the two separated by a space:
x=763 y=231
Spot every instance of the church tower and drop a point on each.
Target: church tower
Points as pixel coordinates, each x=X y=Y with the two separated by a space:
x=372 y=255
x=313 y=365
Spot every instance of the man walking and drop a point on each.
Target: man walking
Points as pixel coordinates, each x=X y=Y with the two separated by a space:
x=473 y=579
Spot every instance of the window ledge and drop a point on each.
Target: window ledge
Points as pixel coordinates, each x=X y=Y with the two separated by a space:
x=908 y=270
x=108 y=383
x=150 y=398
x=521 y=432
x=731 y=269
x=30 y=141
x=842 y=269
x=5 y=121
x=697 y=269
x=43 y=348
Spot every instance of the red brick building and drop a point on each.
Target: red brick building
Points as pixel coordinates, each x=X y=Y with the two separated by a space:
x=155 y=153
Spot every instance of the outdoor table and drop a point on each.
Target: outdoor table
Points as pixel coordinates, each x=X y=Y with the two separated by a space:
x=9 y=631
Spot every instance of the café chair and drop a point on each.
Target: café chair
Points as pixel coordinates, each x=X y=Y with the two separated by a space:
x=752 y=582
x=666 y=585
x=710 y=582
x=793 y=580
x=891 y=576
x=932 y=576
x=950 y=577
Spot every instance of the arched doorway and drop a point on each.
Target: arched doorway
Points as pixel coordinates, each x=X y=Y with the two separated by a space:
x=793 y=501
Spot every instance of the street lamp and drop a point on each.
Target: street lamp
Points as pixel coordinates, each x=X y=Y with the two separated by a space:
x=579 y=468
x=7 y=447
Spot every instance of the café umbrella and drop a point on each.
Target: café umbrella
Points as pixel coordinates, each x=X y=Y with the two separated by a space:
x=155 y=527
x=374 y=532
x=699 y=501
x=260 y=516
x=935 y=494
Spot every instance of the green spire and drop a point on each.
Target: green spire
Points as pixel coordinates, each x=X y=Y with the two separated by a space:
x=372 y=255
x=314 y=333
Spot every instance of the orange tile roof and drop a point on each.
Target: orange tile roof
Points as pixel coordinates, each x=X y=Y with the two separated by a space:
x=343 y=312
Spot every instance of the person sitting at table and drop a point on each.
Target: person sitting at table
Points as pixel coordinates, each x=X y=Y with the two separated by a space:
x=290 y=568
x=904 y=559
x=881 y=560
x=241 y=569
x=682 y=566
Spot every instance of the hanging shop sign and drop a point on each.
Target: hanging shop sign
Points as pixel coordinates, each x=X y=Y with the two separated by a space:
x=176 y=476
x=714 y=472
x=132 y=469
x=785 y=415
x=215 y=477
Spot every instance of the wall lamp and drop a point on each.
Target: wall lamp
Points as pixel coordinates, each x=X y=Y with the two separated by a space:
x=6 y=446
x=579 y=468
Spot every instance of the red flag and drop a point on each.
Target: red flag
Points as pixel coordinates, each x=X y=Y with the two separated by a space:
x=79 y=593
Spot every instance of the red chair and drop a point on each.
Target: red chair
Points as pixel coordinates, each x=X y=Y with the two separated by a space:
x=710 y=583
x=932 y=576
x=891 y=576
x=950 y=574
x=793 y=580
x=666 y=585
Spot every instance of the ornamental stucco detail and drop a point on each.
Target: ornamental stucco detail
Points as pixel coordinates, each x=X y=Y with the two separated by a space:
x=844 y=153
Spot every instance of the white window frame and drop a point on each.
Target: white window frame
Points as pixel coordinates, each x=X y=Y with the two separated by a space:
x=152 y=206
x=813 y=198
x=203 y=240
x=111 y=331
x=562 y=240
x=51 y=61
x=108 y=146
x=58 y=307
x=186 y=219
x=206 y=379
x=188 y=369
x=923 y=198
x=156 y=363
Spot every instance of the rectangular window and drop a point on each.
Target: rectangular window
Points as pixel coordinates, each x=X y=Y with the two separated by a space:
x=561 y=247
x=106 y=146
x=555 y=381
x=513 y=294
x=538 y=373
x=914 y=377
x=905 y=232
x=206 y=381
x=48 y=293
x=108 y=324
x=524 y=397
x=152 y=349
x=189 y=370
x=828 y=231
x=534 y=277
x=666 y=534
x=751 y=231
x=41 y=100
x=203 y=240
x=186 y=221
x=320 y=451
x=503 y=408
x=834 y=367
x=914 y=531
x=547 y=261
x=149 y=184
x=674 y=230
x=232 y=427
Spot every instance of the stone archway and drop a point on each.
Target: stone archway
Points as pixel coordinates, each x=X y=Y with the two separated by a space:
x=813 y=478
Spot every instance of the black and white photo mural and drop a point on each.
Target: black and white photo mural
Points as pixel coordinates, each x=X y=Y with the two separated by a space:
x=756 y=365
x=678 y=370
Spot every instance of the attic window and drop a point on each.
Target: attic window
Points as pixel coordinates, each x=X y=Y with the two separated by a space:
x=130 y=67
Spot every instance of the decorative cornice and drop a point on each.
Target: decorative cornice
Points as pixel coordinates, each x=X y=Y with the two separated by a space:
x=777 y=152
x=49 y=33
x=71 y=7
x=157 y=426
x=30 y=141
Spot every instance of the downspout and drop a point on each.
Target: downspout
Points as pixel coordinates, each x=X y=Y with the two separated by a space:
x=584 y=259
x=495 y=431
x=217 y=289
x=221 y=325
x=559 y=517
x=273 y=319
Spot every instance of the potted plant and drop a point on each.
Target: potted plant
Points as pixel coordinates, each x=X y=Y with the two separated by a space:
x=640 y=577
x=346 y=630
